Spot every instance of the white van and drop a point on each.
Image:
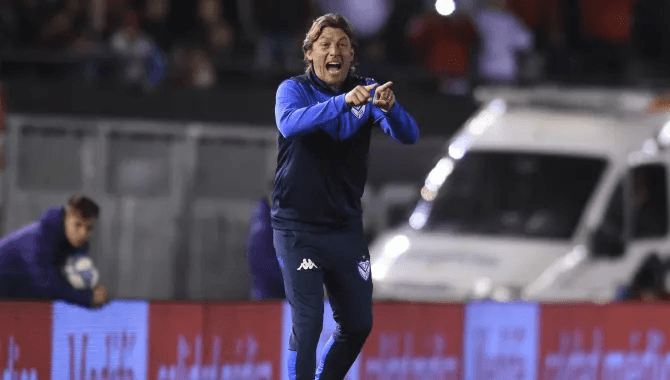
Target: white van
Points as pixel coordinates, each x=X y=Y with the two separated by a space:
x=544 y=194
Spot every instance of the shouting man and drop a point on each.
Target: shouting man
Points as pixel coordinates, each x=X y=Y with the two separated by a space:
x=325 y=119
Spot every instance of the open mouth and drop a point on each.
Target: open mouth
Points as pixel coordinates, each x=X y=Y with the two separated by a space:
x=333 y=67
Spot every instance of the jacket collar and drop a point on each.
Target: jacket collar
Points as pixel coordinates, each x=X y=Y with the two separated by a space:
x=322 y=86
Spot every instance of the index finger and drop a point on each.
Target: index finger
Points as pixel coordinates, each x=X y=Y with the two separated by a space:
x=371 y=87
x=385 y=86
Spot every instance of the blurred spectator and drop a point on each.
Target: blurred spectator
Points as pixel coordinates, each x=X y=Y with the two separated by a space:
x=85 y=42
x=368 y=17
x=155 y=22
x=117 y=8
x=142 y=63
x=61 y=29
x=212 y=29
x=541 y=17
x=97 y=15
x=7 y=25
x=267 y=278
x=545 y=20
x=279 y=28
x=202 y=73
x=398 y=46
x=193 y=66
x=648 y=283
x=89 y=39
x=606 y=29
x=502 y=37
x=445 y=44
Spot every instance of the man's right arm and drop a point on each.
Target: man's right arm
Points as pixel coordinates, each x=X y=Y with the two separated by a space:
x=295 y=116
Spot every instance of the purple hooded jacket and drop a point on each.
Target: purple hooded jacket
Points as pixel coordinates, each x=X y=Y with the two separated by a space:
x=268 y=281
x=31 y=258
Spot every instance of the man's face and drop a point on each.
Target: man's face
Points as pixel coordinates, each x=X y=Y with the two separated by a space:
x=77 y=229
x=331 y=56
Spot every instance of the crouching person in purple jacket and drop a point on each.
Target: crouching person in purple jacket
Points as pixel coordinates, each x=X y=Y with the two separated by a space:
x=31 y=257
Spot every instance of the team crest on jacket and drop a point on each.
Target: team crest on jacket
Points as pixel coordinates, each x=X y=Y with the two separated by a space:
x=364 y=269
x=358 y=111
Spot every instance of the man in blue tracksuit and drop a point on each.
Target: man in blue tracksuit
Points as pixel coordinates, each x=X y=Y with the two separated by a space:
x=31 y=257
x=325 y=119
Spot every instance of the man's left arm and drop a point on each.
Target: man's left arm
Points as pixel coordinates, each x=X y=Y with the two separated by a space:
x=392 y=118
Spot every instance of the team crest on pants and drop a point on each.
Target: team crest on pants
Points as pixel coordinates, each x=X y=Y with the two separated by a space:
x=358 y=111
x=364 y=269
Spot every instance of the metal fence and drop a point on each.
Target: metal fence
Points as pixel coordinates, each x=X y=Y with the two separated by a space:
x=176 y=198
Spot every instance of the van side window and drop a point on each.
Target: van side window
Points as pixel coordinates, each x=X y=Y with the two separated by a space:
x=650 y=202
x=613 y=221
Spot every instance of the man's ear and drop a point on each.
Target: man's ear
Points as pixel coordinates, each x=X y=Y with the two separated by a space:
x=308 y=55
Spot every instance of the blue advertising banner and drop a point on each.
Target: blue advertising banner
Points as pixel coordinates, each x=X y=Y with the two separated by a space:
x=110 y=343
x=501 y=341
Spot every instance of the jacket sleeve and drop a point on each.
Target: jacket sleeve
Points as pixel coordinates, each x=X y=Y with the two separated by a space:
x=295 y=115
x=397 y=122
x=46 y=280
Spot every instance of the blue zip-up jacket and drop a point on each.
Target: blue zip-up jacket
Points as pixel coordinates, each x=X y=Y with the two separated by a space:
x=323 y=153
x=31 y=258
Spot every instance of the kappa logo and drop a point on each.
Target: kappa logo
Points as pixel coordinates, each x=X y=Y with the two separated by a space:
x=364 y=269
x=358 y=111
x=307 y=264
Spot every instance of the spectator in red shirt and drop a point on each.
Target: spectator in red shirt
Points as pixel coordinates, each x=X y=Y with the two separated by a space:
x=545 y=18
x=606 y=29
x=445 y=45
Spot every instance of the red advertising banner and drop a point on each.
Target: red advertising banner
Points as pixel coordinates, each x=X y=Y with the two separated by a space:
x=175 y=341
x=609 y=342
x=25 y=340
x=414 y=341
x=242 y=341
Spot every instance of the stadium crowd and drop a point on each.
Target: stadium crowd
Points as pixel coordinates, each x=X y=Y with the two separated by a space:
x=456 y=44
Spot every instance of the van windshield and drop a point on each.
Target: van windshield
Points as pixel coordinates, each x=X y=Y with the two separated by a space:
x=515 y=194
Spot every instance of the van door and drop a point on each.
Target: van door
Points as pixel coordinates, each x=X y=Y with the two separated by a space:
x=648 y=216
x=638 y=210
